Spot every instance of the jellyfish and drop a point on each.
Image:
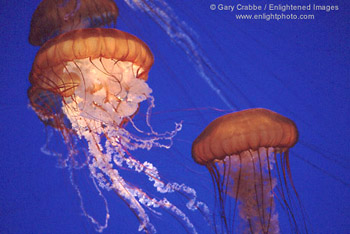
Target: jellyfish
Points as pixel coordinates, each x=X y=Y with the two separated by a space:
x=241 y=150
x=231 y=60
x=53 y=17
x=88 y=84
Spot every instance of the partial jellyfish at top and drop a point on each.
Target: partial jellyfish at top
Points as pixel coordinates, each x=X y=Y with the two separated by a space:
x=54 y=17
x=247 y=155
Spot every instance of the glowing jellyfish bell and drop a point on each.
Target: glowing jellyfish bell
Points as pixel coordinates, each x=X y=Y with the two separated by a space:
x=98 y=73
x=86 y=84
x=240 y=150
x=53 y=17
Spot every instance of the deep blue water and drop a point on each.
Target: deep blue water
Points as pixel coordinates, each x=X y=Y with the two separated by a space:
x=300 y=69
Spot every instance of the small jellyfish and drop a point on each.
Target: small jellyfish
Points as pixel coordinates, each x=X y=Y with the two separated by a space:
x=241 y=150
x=54 y=17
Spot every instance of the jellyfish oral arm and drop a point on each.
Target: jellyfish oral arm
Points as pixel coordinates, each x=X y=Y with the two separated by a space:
x=109 y=90
x=109 y=93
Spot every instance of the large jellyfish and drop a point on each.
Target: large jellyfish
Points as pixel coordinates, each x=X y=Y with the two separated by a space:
x=88 y=84
x=240 y=151
x=53 y=17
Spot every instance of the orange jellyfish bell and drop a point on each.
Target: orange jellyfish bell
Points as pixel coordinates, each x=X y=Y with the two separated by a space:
x=54 y=17
x=241 y=131
x=93 y=68
x=240 y=150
